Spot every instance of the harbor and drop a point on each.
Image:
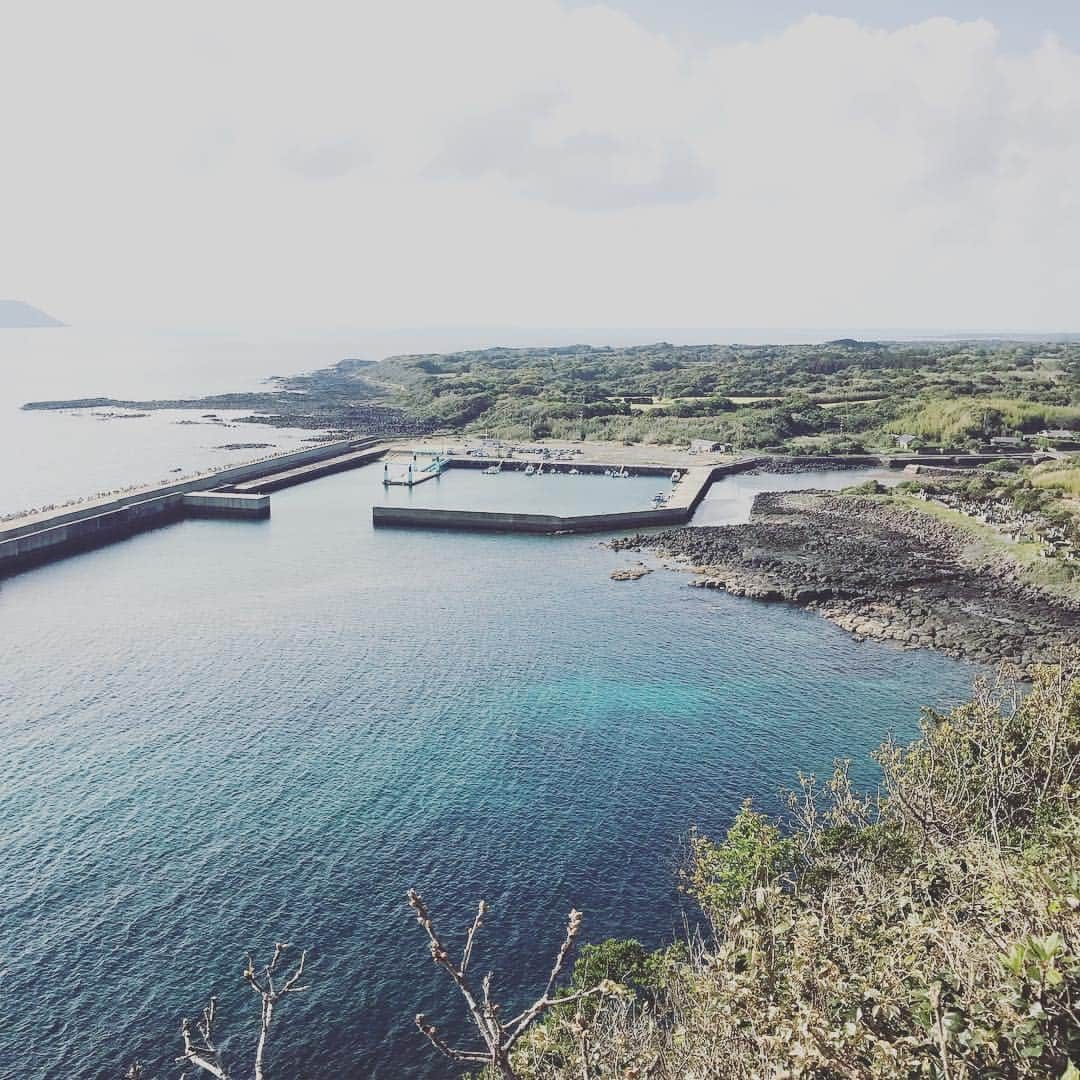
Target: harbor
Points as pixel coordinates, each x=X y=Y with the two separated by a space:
x=242 y=492
x=593 y=496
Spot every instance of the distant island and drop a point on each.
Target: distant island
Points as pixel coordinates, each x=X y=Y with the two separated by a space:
x=16 y=315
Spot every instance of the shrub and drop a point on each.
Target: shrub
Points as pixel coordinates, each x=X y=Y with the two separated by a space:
x=868 y=487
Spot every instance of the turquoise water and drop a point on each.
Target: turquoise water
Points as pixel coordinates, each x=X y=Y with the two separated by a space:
x=218 y=735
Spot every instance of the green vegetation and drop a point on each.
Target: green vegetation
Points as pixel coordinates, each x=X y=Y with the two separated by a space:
x=1060 y=475
x=974 y=419
x=844 y=395
x=868 y=487
x=841 y=397
x=1029 y=513
x=931 y=930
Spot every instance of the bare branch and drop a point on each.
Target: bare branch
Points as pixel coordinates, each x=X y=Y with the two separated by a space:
x=481 y=911
x=499 y=1038
x=200 y=1048
x=203 y=1054
x=432 y=1032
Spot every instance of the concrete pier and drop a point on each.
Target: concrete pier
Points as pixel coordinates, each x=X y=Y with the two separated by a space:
x=55 y=534
x=351 y=459
x=229 y=504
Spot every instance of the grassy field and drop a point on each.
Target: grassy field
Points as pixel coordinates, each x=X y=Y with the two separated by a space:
x=1023 y=552
x=1062 y=475
x=948 y=420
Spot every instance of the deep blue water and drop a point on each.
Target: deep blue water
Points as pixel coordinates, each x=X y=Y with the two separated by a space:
x=218 y=735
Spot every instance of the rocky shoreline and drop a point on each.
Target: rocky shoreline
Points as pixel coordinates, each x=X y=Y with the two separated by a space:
x=329 y=398
x=877 y=569
x=797 y=465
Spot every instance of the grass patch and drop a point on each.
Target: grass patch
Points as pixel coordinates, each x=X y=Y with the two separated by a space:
x=1024 y=552
x=1058 y=475
x=964 y=418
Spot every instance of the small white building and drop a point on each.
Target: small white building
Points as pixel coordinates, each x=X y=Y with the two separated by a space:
x=705 y=446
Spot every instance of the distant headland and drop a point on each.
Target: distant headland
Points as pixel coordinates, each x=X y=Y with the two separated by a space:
x=16 y=315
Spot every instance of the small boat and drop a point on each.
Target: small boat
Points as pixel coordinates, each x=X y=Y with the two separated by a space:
x=530 y=469
x=574 y=472
x=676 y=476
x=622 y=474
x=493 y=470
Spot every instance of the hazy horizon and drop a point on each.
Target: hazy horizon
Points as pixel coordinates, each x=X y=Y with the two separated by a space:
x=381 y=342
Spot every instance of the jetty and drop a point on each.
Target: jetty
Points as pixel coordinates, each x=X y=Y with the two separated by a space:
x=415 y=474
x=239 y=492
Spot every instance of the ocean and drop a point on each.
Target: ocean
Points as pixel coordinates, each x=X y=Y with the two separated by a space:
x=219 y=735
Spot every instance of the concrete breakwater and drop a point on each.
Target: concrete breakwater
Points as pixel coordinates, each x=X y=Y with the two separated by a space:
x=238 y=492
x=494 y=521
x=678 y=510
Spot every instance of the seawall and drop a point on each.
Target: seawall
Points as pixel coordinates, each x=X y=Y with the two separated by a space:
x=489 y=521
x=89 y=531
x=679 y=509
x=240 y=491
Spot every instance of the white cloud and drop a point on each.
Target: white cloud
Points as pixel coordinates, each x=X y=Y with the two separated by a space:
x=502 y=161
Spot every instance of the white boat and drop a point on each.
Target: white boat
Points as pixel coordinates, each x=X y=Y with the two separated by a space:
x=575 y=472
x=529 y=470
x=676 y=476
x=493 y=470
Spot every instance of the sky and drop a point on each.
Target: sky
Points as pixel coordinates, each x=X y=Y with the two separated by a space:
x=284 y=167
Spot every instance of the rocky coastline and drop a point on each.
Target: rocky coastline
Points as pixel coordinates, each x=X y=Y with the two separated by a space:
x=332 y=398
x=793 y=466
x=879 y=570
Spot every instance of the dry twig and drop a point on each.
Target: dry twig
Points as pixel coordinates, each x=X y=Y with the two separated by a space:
x=499 y=1037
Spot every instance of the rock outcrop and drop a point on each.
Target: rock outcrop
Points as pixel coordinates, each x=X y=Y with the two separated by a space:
x=879 y=570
